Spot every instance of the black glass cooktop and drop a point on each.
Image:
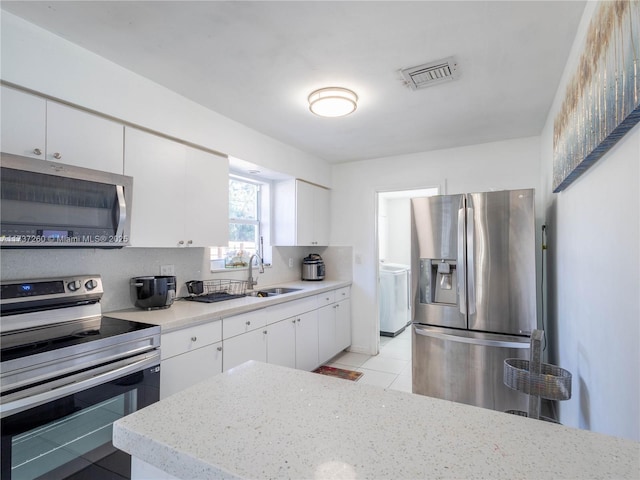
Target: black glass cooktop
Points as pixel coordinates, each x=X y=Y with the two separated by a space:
x=33 y=341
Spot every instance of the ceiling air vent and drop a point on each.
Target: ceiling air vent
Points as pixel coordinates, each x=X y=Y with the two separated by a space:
x=430 y=73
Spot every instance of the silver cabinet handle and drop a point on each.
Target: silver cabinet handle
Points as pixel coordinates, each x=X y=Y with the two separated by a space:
x=57 y=155
x=293 y=321
x=194 y=338
x=298 y=320
x=248 y=322
x=190 y=242
x=37 y=151
x=181 y=242
x=219 y=349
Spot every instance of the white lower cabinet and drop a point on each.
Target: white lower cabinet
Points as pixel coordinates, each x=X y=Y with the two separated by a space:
x=281 y=343
x=183 y=371
x=302 y=334
x=248 y=346
x=307 y=357
x=245 y=338
x=334 y=323
x=189 y=356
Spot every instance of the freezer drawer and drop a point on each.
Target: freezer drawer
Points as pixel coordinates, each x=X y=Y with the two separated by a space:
x=466 y=367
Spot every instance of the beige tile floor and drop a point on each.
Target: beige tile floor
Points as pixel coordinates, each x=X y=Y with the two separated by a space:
x=391 y=368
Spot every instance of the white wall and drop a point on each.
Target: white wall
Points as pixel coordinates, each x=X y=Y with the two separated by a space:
x=399 y=231
x=593 y=263
x=501 y=165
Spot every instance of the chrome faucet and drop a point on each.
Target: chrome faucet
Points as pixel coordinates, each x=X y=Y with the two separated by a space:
x=250 y=280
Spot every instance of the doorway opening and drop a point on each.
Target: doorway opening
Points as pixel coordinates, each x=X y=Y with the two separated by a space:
x=394 y=262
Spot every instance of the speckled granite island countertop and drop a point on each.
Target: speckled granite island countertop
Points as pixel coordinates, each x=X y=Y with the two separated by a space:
x=264 y=421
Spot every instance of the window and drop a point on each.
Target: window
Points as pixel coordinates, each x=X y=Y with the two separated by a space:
x=244 y=225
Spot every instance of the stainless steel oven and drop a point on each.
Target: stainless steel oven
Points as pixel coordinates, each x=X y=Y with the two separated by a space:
x=68 y=373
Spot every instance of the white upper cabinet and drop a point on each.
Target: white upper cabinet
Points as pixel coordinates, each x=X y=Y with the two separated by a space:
x=78 y=138
x=38 y=128
x=24 y=123
x=301 y=214
x=180 y=194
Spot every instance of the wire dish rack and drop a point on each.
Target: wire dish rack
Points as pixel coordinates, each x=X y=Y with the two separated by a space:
x=536 y=379
x=209 y=291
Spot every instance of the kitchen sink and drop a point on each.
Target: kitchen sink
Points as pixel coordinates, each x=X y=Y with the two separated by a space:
x=280 y=290
x=271 y=292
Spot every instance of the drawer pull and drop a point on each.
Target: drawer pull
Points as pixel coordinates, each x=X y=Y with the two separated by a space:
x=219 y=349
x=248 y=322
x=194 y=338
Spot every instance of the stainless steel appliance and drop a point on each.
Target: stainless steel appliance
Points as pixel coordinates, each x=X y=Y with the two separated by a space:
x=67 y=374
x=153 y=292
x=313 y=267
x=473 y=262
x=395 y=299
x=46 y=204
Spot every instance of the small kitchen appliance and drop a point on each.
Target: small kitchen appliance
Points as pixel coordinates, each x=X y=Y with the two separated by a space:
x=313 y=267
x=153 y=292
x=67 y=373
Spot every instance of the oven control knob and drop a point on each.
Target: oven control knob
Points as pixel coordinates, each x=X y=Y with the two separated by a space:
x=75 y=285
x=91 y=284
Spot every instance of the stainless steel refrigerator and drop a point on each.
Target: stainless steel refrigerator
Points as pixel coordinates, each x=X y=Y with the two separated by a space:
x=474 y=294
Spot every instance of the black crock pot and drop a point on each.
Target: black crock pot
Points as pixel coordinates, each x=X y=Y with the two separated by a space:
x=153 y=292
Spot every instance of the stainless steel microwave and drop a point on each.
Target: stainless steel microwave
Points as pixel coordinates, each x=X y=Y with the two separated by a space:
x=46 y=204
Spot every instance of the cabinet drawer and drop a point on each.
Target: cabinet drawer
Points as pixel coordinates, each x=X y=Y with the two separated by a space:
x=342 y=293
x=244 y=323
x=291 y=309
x=326 y=298
x=190 y=338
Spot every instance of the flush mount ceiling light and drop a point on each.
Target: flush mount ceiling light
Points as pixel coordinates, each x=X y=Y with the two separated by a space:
x=333 y=102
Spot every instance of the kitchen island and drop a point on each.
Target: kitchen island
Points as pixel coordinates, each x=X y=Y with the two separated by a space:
x=264 y=421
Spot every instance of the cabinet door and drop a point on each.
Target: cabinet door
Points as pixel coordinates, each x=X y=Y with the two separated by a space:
x=321 y=208
x=305 y=218
x=157 y=166
x=79 y=138
x=183 y=371
x=343 y=324
x=327 y=346
x=281 y=343
x=307 y=357
x=206 y=213
x=24 y=119
x=248 y=346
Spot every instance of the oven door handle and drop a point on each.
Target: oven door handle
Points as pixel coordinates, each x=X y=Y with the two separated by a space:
x=33 y=397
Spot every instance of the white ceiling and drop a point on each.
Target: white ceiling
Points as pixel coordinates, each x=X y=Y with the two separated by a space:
x=256 y=63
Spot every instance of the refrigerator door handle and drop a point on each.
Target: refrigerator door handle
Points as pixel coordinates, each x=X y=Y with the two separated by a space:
x=485 y=342
x=471 y=295
x=462 y=282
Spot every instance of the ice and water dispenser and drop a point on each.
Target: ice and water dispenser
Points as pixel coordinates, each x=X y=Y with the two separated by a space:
x=438 y=281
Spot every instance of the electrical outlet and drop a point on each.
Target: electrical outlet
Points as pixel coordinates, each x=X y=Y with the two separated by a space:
x=291 y=263
x=167 y=270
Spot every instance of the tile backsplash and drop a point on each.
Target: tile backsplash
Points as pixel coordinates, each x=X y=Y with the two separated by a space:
x=117 y=266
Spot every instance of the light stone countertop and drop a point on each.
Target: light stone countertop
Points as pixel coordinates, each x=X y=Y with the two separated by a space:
x=264 y=421
x=183 y=313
